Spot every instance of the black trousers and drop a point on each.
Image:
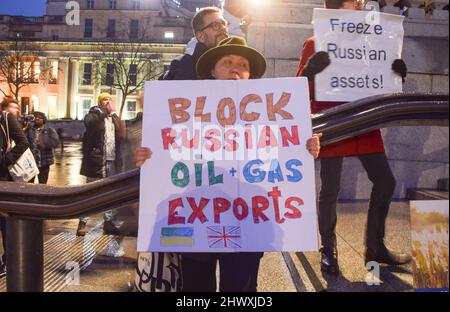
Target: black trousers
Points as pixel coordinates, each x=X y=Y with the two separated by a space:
x=4 y=176
x=43 y=175
x=238 y=272
x=3 y=231
x=380 y=174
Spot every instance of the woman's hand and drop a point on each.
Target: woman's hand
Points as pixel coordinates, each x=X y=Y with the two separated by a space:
x=142 y=154
x=313 y=145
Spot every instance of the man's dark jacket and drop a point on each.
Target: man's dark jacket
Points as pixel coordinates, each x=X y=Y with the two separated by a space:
x=16 y=134
x=49 y=139
x=183 y=67
x=94 y=154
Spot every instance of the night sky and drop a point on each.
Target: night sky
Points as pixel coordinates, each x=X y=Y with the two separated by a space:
x=22 y=7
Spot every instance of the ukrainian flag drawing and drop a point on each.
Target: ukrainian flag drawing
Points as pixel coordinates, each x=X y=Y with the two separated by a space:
x=177 y=236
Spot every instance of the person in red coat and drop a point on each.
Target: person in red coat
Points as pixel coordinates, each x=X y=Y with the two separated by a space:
x=369 y=149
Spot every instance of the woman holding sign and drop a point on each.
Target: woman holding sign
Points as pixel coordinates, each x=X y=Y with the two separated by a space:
x=370 y=150
x=232 y=59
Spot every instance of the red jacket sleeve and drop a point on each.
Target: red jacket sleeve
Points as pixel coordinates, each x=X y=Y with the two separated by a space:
x=307 y=51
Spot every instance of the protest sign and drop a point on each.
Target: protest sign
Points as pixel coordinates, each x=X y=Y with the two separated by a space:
x=230 y=171
x=362 y=46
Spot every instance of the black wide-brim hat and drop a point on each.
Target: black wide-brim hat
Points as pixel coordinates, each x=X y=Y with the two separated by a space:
x=233 y=45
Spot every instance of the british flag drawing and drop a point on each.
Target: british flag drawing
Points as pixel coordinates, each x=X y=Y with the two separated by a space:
x=224 y=236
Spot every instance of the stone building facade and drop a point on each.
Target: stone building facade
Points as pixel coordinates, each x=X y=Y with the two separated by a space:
x=69 y=39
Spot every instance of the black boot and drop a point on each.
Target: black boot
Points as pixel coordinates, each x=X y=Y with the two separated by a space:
x=2 y=268
x=329 y=260
x=386 y=256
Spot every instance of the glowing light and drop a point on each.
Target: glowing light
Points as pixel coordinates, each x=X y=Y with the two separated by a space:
x=169 y=35
x=259 y=3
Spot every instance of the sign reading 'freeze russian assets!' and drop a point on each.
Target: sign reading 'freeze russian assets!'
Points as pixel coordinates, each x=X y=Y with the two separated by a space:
x=230 y=171
x=362 y=46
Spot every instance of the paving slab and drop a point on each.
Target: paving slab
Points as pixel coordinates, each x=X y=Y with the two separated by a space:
x=279 y=272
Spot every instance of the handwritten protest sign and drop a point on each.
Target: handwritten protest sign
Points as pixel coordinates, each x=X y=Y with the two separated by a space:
x=362 y=46
x=230 y=170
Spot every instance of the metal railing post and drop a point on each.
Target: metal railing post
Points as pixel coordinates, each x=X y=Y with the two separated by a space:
x=24 y=255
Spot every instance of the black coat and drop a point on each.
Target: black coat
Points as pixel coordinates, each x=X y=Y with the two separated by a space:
x=183 y=67
x=19 y=138
x=94 y=157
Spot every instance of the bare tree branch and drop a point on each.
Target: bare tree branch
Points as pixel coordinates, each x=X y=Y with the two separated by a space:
x=133 y=65
x=18 y=63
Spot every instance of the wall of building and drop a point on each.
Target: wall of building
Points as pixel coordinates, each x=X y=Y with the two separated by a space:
x=68 y=45
x=418 y=155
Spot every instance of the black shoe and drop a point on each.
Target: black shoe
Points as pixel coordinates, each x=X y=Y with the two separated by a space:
x=109 y=228
x=2 y=270
x=386 y=256
x=81 y=230
x=329 y=260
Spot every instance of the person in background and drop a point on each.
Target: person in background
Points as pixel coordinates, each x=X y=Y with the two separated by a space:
x=209 y=28
x=102 y=158
x=237 y=14
x=8 y=123
x=42 y=140
x=60 y=132
x=369 y=149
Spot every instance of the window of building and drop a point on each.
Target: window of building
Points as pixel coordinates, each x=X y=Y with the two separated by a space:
x=54 y=72
x=112 y=4
x=90 y=4
x=88 y=27
x=133 y=74
x=30 y=71
x=136 y=4
x=111 y=32
x=134 y=29
x=25 y=105
x=87 y=74
x=36 y=71
x=52 y=107
x=169 y=35
x=55 y=34
x=109 y=78
x=26 y=71
x=84 y=108
x=131 y=109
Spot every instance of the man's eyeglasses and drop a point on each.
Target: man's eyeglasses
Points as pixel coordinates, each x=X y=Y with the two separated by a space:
x=216 y=25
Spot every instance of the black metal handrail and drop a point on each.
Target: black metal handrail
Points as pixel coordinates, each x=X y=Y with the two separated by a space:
x=347 y=120
x=40 y=201
x=27 y=205
x=381 y=111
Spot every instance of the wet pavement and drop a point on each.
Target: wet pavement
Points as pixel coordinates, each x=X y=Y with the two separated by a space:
x=279 y=272
x=66 y=170
x=77 y=264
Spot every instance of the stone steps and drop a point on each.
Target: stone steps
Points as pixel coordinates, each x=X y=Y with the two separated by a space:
x=426 y=194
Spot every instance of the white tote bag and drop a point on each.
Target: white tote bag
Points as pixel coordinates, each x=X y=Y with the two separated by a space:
x=25 y=167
